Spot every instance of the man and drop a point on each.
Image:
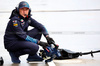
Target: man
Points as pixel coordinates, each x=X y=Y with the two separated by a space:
x=18 y=40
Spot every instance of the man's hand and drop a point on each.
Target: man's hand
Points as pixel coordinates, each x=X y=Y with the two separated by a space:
x=43 y=44
x=50 y=40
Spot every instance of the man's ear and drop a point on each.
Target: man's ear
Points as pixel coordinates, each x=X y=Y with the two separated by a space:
x=29 y=11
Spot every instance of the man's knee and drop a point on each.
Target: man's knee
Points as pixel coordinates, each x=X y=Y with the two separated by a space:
x=34 y=48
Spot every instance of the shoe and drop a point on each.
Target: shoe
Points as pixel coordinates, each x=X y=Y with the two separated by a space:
x=14 y=58
x=34 y=58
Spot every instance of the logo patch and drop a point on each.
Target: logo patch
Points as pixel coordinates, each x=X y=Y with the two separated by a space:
x=15 y=23
x=22 y=22
x=24 y=4
x=29 y=21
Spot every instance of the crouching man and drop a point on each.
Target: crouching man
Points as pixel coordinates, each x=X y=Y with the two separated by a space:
x=18 y=40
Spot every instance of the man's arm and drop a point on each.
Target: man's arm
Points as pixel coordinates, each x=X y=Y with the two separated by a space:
x=16 y=29
x=39 y=26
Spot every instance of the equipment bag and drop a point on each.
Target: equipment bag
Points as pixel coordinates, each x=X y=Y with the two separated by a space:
x=67 y=54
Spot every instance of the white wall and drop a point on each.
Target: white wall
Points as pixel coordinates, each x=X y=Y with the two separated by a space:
x=52 y=4
x=72 y=29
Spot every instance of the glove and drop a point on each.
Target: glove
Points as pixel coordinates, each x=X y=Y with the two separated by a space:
x=43 y=44
x=50 y=40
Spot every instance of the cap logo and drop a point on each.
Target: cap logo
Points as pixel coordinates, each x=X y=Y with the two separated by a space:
x=24 y=3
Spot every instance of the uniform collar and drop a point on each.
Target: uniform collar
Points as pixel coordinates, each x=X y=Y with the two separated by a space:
x=21 y=17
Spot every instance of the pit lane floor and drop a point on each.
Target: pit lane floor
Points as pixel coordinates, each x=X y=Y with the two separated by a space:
x=81 y=61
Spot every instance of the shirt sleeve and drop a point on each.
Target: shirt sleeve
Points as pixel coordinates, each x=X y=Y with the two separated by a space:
x=16 y=27
x=39 y=26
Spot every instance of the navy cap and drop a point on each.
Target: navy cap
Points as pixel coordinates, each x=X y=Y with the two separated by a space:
x=23 y=4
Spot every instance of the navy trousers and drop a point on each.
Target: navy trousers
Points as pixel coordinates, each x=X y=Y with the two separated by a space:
x=26 y=47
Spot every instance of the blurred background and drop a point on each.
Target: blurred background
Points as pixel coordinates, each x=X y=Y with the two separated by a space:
x=73 y=24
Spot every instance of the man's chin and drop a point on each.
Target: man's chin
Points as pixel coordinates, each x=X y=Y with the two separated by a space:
x=24 y=16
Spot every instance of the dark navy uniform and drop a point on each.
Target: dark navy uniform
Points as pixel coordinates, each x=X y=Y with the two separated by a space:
x=18 y=39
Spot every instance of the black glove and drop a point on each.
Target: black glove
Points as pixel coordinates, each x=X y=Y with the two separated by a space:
x=43 y=44
x=50 y=40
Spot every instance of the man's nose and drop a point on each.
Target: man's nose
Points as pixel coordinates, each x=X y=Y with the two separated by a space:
x=24 y=11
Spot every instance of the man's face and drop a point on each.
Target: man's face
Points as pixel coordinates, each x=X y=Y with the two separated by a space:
x=24 y=11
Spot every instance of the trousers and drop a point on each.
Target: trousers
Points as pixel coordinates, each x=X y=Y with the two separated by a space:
x=26 y=47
